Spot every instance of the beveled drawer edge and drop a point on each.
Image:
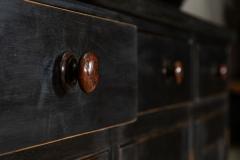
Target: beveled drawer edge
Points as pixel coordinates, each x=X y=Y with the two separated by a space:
x=208 y=147
x=95 y=154
x=213 y=97
x=167 y=107
x=157 y=133
x=79 y=13
x=210 y=115
x=160 y=133
x=69 y=137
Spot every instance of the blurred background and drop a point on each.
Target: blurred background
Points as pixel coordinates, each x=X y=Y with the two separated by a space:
x=210 y=10
x=224 y=13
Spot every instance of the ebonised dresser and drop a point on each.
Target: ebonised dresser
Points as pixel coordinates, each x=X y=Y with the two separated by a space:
x=111 y=80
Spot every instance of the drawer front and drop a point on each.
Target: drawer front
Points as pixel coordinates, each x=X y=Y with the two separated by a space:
x=128 y=152
x=210 y=131
x=173 y=145
x=33 y=36
x=102 y=156
x=154 y=125
x=159 y=59
x=81 y=147
x=212 y=70
x=213 y=152
x=170 y=146
x=210 y=136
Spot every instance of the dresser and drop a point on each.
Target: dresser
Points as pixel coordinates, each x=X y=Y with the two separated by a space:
x=111 y=80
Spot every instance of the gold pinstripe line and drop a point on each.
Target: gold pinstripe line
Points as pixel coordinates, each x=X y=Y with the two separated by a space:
x=79 y=13
x=69 y=137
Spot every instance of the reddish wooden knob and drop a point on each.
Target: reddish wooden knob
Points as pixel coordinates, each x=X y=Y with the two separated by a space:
x=67 y=71
x=88 y=72
x=223 y=71
x=67 y=68
x=174 y=70
x=178 y=72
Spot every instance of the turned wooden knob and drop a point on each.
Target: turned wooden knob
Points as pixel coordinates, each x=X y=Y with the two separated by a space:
x=85 y=71
x=88 y=72
x=67 y=68
x=174 y=70
x=178 y=72
x=223 y=71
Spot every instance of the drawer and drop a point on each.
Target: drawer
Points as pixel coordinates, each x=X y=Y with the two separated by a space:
x=170 y=146
x=173 y=145
x=164 y=71
x=35 y=105
x=101 y=156
x=128 y=152
x=210 y=126
x=153 y=124
x=216 y=151
x=211 y=106
x=209 y=131
x=212 y=69
x=95 y=145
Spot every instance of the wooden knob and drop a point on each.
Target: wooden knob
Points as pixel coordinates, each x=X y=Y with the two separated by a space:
x=88 y=72
x=178 y=72
x=68 y=68
x=174 y=70
x=223 y=71
x=67 y=71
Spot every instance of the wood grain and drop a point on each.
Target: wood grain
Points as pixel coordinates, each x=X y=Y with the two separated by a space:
x=32 y=38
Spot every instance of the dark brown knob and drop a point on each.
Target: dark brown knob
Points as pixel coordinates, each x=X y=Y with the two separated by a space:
x=178 y=72
x=67 y=68
x=67 y=71
x=88 y=72
x=174 y=70
x=223 y=71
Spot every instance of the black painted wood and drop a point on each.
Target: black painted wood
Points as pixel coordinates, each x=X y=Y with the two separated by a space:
x=210 y=129
x=150 y=131
x=159 y=12
x=32 y=38
x=154 y=88
x=149 y=17
x=173 y=145
x=91 y=145
x=214 y=152
x=170 y=146
x=102 y=156
x=132 y=41
x=217 y=103
x=211 y=57
x=164 y=134
x=128 y=152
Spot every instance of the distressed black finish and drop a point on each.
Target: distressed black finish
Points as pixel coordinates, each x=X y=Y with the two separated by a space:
x=211 y=57
x=158 y=147
x=163 y=147
x=32 y=38
x=210 y=128
x=155 y=53
x=153 y=135
x=85 y=146
x=138 y=111
x=160 y=122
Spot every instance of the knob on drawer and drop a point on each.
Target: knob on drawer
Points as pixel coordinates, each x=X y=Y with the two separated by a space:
x=174 y=70
x=178 y=72
x=88 y=72
x=68 y=71
x=223 y=71
x=68 y=68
